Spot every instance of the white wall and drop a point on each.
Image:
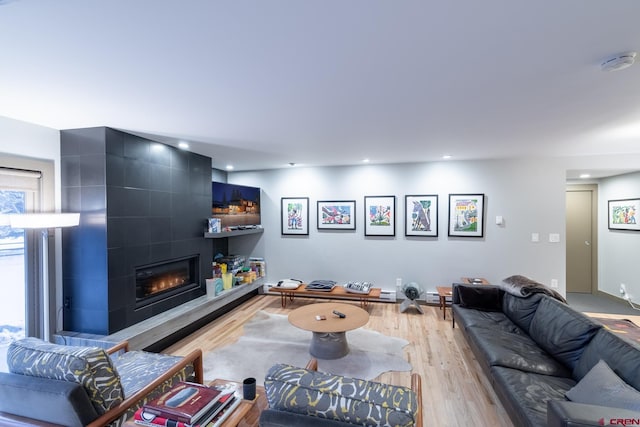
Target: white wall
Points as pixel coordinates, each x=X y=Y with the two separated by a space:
x=617 y=249
x=28 y=140
x=529 y=194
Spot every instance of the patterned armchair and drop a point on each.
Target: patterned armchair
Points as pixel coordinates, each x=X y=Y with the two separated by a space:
x=303 y=396
x=75 y=386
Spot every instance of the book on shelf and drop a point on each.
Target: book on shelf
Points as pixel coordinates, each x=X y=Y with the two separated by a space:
x=142 y=417
x=186 y=402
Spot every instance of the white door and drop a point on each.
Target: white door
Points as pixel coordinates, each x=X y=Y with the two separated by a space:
x=580 y=241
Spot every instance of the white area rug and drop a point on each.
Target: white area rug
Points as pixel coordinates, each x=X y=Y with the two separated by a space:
x=270 y=338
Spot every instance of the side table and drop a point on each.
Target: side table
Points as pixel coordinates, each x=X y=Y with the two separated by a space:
x=475 y=280
x=247 y=414
x=444 y=292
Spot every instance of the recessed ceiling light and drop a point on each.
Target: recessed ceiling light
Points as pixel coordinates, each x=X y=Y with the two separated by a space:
x=365 y=160
x=229 y=167
x=447 y=156
x=585 y=175
x=183 y=145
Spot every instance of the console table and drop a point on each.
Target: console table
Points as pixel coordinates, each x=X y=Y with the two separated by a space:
x=338 y=292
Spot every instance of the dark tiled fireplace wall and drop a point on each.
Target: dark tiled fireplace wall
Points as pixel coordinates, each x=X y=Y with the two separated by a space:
x=141 y=202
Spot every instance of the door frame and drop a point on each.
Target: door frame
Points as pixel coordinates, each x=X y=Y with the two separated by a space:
x=593 y=188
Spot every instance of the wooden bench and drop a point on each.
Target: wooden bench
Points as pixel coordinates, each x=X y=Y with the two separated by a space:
x=338 y=292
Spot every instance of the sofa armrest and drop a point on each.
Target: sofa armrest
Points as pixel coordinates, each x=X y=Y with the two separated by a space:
x=564 y=413
x=193 y=358
x=43 y=399
x=416 y=386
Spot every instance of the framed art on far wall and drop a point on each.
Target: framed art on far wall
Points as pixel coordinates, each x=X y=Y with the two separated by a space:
x=337 y=215
x=466 y=215
x=421 y=215
x=295 y=215
x=623 y=214
x=380 y=215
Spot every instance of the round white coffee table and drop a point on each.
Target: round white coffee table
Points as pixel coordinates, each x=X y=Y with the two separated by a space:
x=329 y=339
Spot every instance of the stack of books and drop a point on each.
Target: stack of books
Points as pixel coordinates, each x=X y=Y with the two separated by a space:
x=189 y=405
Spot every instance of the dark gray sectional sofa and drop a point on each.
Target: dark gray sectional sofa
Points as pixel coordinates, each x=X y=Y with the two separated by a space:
x=536 y=351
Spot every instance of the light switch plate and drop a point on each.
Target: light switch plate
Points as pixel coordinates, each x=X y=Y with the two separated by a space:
x=554 y=237
x=535 y=237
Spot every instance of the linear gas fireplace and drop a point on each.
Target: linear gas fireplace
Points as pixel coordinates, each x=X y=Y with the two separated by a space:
x=159 y=281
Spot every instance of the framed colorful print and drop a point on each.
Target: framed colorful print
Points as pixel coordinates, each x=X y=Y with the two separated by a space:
x=623 y=214
x=380 y=215
x=295 y=215
x=337 y=215
x=466 y=215
x=421 y=215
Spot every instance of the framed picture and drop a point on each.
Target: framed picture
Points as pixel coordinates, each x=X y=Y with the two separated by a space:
x=623 y=214
x=421 y=215
x=380 y=215
x=466 y=215
x=295 y=215
x=337 y=215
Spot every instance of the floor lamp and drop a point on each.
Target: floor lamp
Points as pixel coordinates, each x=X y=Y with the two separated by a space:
x=44 y=222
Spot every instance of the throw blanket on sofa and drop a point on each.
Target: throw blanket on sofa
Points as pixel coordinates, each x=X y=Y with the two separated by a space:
x=523 y=287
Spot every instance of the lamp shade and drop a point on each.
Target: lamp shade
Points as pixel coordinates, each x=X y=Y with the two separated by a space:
x=44 y=220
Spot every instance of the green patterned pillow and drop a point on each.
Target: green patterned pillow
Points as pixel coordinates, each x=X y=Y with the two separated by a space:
x=339 y=398
x=87 y=366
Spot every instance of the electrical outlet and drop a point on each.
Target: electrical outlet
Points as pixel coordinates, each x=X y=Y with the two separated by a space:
x=67 y=302
x=554 y=283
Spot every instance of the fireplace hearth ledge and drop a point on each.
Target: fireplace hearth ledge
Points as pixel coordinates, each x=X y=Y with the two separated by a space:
x=153 y=330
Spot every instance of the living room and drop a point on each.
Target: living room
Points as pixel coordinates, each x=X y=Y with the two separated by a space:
x=522 y=171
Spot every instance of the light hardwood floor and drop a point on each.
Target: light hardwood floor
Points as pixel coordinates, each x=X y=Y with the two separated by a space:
x=455 y=391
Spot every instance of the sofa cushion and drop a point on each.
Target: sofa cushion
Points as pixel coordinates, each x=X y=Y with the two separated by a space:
x=621 y=355
x=467 y=317
x=52 y=401
x=335 y=397
x=562 y=331
x=525 y=395
x=521 y=309
x=139 y=368
x=516 y=351
x=601 y=386
x=88 y=366
x=480 y=297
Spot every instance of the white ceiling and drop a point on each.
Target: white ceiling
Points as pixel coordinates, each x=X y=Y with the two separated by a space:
x=261 y=83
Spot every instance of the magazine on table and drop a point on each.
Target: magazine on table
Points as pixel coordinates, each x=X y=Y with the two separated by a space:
x=226 y=400
x=186 y=402
x=225 y=413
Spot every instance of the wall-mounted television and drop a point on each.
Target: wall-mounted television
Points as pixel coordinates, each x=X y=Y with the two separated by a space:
x=237 y=206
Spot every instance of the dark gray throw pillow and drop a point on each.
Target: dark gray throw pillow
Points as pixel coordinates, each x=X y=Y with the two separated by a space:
x=480 y=297
x=601 y=386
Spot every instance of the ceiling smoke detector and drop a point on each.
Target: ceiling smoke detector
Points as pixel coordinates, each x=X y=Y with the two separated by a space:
x=619 y=62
